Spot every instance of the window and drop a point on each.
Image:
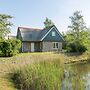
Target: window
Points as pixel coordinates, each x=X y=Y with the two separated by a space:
x=53 y=33
x=55 y=45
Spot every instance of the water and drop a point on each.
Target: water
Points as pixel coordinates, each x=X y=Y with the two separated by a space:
x=76 y=77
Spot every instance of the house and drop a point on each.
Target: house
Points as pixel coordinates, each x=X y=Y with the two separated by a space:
x=11 y=37
x=40 y=40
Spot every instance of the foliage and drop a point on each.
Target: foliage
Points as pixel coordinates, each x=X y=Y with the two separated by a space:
x=77 y=37
x=40 y=76
x=5 y=25
x=10 y=47
x=77 y=24
x=76 y=47
x=48 y=23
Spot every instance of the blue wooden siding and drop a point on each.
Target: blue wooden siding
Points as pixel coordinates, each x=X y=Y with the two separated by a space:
x=56 y=38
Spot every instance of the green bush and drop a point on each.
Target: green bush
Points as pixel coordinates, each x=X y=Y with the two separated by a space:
x=40 y=76
x=10 y=47
x=76 y=47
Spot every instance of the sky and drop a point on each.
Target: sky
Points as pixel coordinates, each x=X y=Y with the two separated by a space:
x=32 y=13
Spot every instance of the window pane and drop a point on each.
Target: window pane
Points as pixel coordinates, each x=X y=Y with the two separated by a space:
x=53 y=45
x=53 y=33
x=56 y=45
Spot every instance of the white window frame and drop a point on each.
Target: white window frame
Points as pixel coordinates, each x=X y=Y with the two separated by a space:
x=53 y=33
x=55 y=45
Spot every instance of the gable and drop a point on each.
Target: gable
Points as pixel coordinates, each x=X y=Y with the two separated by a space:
x=53 y=35
x=19 y=35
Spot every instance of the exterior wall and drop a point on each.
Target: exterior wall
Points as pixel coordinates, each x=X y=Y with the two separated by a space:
x=26 y=46
x=48 y=46
x=60 y=46
x=56 y=38
x=44 y=47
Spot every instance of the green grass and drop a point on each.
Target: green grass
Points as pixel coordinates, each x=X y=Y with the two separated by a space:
x=42 y=70
x=39 y=76
x=10 y=64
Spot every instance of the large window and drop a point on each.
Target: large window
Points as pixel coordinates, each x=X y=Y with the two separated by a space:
x=55 y=45
x=53 y=33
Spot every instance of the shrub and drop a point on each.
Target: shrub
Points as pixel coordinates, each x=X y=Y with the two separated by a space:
x=76 y=47
x=5 y=48
x=10 y=47
x=16 y=45
x=40 y=76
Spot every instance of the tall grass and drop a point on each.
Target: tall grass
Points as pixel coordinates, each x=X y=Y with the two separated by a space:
x=45 y=75
x=10 y=64
x=40 y=71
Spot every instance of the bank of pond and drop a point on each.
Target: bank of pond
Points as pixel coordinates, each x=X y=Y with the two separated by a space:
x=52 y=75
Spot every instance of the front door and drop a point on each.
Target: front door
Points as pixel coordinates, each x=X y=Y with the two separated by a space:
x=32 y=47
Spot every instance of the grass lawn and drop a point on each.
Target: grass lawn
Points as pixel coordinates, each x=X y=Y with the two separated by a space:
x=9 y=64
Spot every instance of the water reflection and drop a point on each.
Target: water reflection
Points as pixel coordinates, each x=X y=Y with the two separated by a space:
x=87 y=81
x=76 y=77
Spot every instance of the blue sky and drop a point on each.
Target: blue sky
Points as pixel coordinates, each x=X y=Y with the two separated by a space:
x=32 y=13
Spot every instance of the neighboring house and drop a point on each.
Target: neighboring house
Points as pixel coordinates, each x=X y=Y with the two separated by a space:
x=11 y=37
x=40 y=40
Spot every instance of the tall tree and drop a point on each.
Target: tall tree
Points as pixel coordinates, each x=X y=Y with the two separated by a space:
x=77 y=26
x=48 y=23
x=5 y=25
x=78 y=34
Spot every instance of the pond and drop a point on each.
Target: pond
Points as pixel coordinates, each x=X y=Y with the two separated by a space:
x=76 y=77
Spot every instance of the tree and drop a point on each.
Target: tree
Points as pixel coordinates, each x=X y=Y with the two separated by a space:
x=48 y=23
x=78 y=34
x=77 y=25
x=9 y=47
x=5 y=25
